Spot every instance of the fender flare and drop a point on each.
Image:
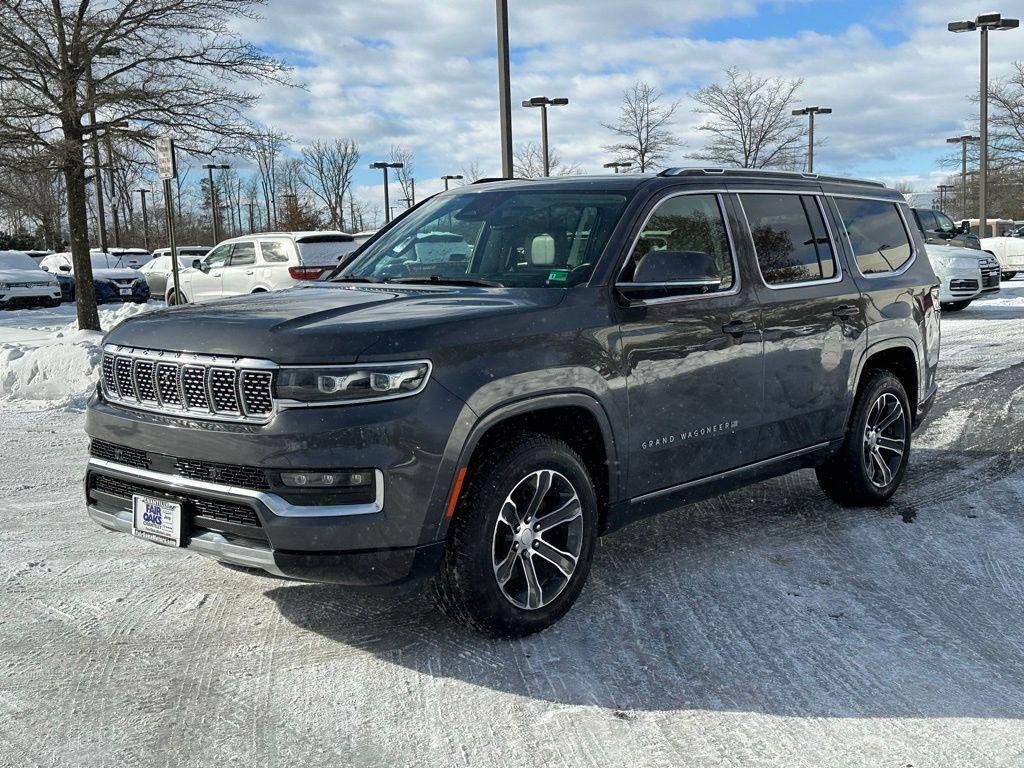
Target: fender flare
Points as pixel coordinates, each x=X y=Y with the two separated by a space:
x=896 y=342
x=467 y=443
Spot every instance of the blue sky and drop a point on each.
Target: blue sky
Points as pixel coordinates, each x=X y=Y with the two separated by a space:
x=423 y=73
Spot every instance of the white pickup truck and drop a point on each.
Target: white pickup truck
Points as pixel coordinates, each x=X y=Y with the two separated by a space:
x=1004 y=240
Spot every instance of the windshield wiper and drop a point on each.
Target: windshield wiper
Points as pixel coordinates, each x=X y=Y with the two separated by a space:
x=354 y=279
x=441 y=280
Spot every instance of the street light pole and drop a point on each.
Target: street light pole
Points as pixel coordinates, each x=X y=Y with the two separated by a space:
x=383 y=166
x=450 y=177
x=984 y=23
x=618 y=164
x=811 y=112
x=963 y=141
x=942 y=195
x=504 y=89
x=544 y=102
x=210 y=167
x=145 y=216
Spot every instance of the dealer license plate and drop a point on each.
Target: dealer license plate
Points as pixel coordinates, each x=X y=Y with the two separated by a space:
x=158 y=520
x=126 y=291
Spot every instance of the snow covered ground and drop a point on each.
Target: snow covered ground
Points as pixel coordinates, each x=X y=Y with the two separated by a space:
x=767 y=627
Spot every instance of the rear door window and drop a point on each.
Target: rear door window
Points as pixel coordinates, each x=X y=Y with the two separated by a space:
x=927 y=219
x=790 y=238
x=243 y=254
x=877 y=236
x=273 y=251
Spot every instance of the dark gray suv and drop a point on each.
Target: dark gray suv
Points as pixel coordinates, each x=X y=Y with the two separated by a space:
x=514 y=368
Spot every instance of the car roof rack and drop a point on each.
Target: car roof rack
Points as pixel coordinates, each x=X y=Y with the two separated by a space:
x=761 y=173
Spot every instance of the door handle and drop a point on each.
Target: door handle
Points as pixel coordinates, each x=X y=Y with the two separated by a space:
x=738 y=327
x=846 y=311
x=250 y=272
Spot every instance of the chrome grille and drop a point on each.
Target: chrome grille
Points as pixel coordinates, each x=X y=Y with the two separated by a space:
x=123 y=374
x=144 y=387
x=201 y=386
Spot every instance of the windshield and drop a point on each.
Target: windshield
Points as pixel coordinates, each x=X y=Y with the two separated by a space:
x=945 y=223
x=17 y=260
x=515 y=238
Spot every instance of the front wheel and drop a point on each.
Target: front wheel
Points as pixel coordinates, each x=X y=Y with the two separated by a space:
x=1009 y=275
x=873 y=460
x=522 y=541
x=955 y=306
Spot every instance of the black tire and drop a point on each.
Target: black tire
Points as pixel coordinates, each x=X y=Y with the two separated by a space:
x=847 y=477
x=955 y=306
x=1009 y=275
x=174 y=298
x=467 y=587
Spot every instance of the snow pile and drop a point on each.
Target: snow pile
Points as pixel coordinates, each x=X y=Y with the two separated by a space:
x=58 y=369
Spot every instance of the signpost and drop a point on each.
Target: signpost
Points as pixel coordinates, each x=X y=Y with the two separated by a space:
x=167 y=169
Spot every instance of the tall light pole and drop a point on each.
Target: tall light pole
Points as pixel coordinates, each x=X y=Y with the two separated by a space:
x=619 y=164
x=544 y=102
x=450 y=177
x=145 y=215
x=963 y=141
x=811 y=112
x=383 y=166
x=984 y=23
x=90 y=87
x=210 y=168
x=504 y=89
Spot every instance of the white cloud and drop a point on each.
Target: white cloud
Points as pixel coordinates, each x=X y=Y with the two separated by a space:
x=424 y=74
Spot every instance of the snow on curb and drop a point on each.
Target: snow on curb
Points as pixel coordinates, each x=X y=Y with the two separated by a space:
x=60 y=369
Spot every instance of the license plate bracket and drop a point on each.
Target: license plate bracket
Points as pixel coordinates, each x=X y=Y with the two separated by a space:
x=157 y=520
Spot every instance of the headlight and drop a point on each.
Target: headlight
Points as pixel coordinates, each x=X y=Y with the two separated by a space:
x=340 y=384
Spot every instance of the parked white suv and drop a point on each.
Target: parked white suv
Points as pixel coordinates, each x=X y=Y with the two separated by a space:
x=959 y=272
x=263 y=262
x=1002 y=241
x=158 y=271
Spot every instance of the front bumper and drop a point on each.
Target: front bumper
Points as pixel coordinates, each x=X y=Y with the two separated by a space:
x=41 y=296
x=960 y=285
x=109 y=292
x=250 y=544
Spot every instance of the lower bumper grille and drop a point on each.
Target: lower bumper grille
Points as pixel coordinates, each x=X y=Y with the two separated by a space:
x=963 y=285
x=194 y=506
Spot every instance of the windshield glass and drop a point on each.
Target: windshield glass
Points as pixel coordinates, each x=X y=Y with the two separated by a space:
x=515 y=238
x=945 y=223
x=17 y=260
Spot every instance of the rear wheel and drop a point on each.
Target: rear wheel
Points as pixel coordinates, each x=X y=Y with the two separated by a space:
x=522 y=541
x=174 y=298
x=873 y=460
x=1009 y=275
x=955 y=306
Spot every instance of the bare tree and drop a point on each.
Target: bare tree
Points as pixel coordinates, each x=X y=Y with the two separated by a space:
x=329 y=167
x=645 y=138
x=528 y=162
x=1006 y=118
x=265 y=145
x=472 y=172
x=750 y=120
x=406 y=175
x=165 y=64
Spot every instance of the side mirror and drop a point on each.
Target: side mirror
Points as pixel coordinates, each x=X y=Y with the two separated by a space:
x=965 y=227
x=198 y=264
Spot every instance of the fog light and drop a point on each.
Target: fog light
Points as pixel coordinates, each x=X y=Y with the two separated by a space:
x=326 y=479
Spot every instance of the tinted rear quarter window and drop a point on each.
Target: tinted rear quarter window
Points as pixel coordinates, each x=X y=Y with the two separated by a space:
x=790 y=238
x=877 y=236
x=273 y=251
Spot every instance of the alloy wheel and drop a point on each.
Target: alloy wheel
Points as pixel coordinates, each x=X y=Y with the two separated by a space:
x=537 y=541
x=885 y=439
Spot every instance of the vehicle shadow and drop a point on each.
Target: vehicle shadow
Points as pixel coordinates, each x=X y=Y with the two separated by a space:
x=768 y=599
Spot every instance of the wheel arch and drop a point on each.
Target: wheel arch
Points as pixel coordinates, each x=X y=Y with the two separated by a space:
x=898 y=356
x=577 y=418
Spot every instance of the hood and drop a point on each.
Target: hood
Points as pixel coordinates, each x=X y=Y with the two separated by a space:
x=321 y=323
x=953 y=252
x=26 y=276
x=117 y=274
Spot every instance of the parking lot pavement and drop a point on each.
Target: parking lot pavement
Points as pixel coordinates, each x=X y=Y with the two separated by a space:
x=765 y=627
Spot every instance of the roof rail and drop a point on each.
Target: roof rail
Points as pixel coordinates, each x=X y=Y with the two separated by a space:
x=765 y=173
x=489 y=179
